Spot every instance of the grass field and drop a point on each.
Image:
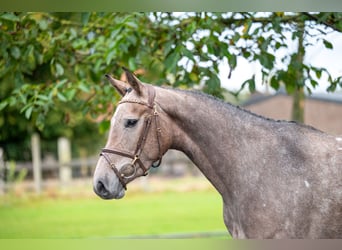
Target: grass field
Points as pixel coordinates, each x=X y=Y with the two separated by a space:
x=86 y=216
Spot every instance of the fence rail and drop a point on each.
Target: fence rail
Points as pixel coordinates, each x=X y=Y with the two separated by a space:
x=74 y=163
x=65 y=168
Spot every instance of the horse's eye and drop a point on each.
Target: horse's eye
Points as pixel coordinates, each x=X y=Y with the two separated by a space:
x=129 y=123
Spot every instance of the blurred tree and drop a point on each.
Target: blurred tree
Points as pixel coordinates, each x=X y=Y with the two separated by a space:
x=33 y=95
x=52 y=64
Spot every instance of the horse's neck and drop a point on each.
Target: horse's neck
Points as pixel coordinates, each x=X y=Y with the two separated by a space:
x=203 y=129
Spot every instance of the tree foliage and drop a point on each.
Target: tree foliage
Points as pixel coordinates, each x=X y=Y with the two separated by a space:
x=52 y=64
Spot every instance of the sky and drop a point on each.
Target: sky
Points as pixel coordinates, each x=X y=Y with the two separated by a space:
x=317 y=55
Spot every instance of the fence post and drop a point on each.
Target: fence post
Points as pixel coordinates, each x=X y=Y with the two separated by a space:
x=83 y=161
x=36 y=162
x=2 y=172
x=64 y=158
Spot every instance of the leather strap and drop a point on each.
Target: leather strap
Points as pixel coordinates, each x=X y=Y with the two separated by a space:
x=151 y=95
x=142 y=138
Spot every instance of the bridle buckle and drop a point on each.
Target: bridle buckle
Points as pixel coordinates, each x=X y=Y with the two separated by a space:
x=136 y=157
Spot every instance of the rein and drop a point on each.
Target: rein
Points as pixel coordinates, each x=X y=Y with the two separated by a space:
x=132 y=167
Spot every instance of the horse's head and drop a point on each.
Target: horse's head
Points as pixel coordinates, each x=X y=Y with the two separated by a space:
x=136 y=139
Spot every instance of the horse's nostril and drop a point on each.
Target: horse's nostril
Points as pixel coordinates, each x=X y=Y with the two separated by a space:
x=101 y=189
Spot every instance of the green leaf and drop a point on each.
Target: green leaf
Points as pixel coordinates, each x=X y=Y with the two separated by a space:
x=246 y=54
x=267 y=60
x=290 y=87
x=31 y=60
x=131 y=25
x=313 y=83
x=210 y=48
x=318 y=72
x=327 y=44
x=59 y=69
x=213 y=83
x=232 y=61
x=10 y=17
x=61 y=83
x=70 y=94
x=84 y=87
x=331 y=88
x=132 y=39
x=251 y=84
x=275 y=83
x=28 y=112
x=188 y=53
x=247 y=26
x=193 y=77
x=12 y=101
x=110 y=56
x=43 y=97
x=79 y=43
x=15 y=52
x=3 y=105
x=131 y=63
x=236 y=37
x=104 y=126
x=61 y=97
x=334 y=84
x=43 y=24
x=40 y=122
x=168 y=47
x=213 y=86
x=85 y=17
x=97 y=66
x=172 y=60
x=113 y=35
x=41 y=103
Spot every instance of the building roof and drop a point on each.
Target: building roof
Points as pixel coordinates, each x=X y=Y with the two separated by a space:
x=325 y=97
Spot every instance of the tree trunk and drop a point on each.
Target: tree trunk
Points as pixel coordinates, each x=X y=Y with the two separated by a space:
x=298 y=95
x=298 y=105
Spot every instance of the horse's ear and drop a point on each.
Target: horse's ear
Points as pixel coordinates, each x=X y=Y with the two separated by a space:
x=133 y=81
x=120 y=86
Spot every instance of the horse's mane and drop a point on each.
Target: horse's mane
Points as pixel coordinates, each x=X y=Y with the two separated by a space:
x=220 y=104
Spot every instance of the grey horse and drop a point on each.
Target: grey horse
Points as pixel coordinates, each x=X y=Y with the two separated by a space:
x=277 y=179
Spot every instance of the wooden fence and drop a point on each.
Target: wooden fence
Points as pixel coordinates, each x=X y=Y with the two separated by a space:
x=66 y=168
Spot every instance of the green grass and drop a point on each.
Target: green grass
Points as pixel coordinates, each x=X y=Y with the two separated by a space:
x=90 y=217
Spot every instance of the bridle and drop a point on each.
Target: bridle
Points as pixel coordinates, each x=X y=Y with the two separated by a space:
x=153 y=115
